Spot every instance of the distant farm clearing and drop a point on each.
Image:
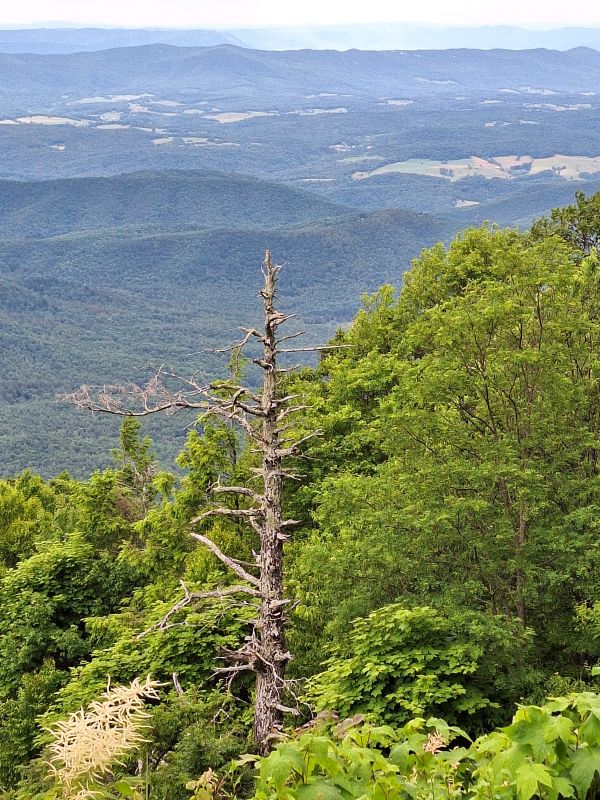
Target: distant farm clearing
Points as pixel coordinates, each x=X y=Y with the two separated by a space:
x=44 y=120
x=503 y=167
x=239 y=116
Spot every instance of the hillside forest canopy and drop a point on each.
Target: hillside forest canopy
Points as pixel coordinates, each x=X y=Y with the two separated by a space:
x=440 y=596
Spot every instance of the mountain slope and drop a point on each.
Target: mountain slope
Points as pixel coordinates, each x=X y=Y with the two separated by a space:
x=113 y=303
x=197 y=198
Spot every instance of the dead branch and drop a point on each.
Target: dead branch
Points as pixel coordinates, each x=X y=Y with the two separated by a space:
x=222 y=511
x=232 y=387
x=233 y=416
x=233 y=565
x=315 y=348
x=293 y=449
x=241 y=490
x=249 y=333
x=290 y=336
x=190 y=597
x=284 y=370
x=286 y=412
x=130 y=400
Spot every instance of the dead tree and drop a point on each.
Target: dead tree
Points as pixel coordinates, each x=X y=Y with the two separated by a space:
x=264 y=417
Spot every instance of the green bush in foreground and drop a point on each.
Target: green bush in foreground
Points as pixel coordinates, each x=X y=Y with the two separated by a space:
x=547 y=751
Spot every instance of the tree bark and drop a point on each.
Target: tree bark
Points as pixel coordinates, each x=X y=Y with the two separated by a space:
x=270 y=628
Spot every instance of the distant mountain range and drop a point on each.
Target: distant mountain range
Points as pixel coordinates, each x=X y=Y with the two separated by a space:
x=264 y=77
x=417 y=37
x=394 y=36
x=74 y=40
x=322 y=156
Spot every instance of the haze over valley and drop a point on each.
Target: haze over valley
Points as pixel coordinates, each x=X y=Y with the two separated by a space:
x=139 y=182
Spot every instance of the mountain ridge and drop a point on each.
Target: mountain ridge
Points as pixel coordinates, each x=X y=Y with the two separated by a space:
x=374 y=36
x=49 y=207
x=265 y=77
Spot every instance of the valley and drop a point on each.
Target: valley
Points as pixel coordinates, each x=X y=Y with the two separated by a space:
x=138 y=184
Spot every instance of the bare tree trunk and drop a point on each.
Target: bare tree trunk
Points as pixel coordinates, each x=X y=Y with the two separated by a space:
x=263 y=418
x=273 y=655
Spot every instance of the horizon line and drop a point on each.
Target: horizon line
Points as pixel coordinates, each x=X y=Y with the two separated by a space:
x=68 y=25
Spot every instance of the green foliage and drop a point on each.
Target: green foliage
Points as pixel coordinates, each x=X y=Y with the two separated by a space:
x=578 y=224
x=458 y=466
x=548 y=751
x=26 y=511
x=399 y=663
x=62 y=543
x=361 y=761
x=18 y=728
x=129 y=632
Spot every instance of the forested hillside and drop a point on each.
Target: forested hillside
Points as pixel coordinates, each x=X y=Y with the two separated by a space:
x=108 y=278
x=213 y=71
x=438 y=539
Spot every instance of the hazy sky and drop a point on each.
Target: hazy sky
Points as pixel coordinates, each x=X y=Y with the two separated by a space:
x=240 y=13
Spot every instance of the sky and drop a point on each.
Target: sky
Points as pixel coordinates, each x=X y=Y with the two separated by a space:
x=258 y=13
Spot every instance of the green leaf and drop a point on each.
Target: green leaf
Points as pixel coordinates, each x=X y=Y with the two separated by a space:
x=590 y=730
x=319 y=790
x=561 y=787
x=558 y=728
x=399 y=756
x=247 y=758
x=276 y=770
x=586 y=762
x=125 y=789
x=529 y=776
x=530 y=729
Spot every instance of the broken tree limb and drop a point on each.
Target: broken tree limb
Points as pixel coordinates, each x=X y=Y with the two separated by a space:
x=233 y=565
x=241 y=490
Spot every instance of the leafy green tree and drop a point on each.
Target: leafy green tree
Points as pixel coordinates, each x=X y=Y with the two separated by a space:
x=476 y=397
x=578 y=224
x=400 y=663
x=27 y=508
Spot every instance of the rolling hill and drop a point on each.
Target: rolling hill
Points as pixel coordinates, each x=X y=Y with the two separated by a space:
x=115 y=299
x=183 y=198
